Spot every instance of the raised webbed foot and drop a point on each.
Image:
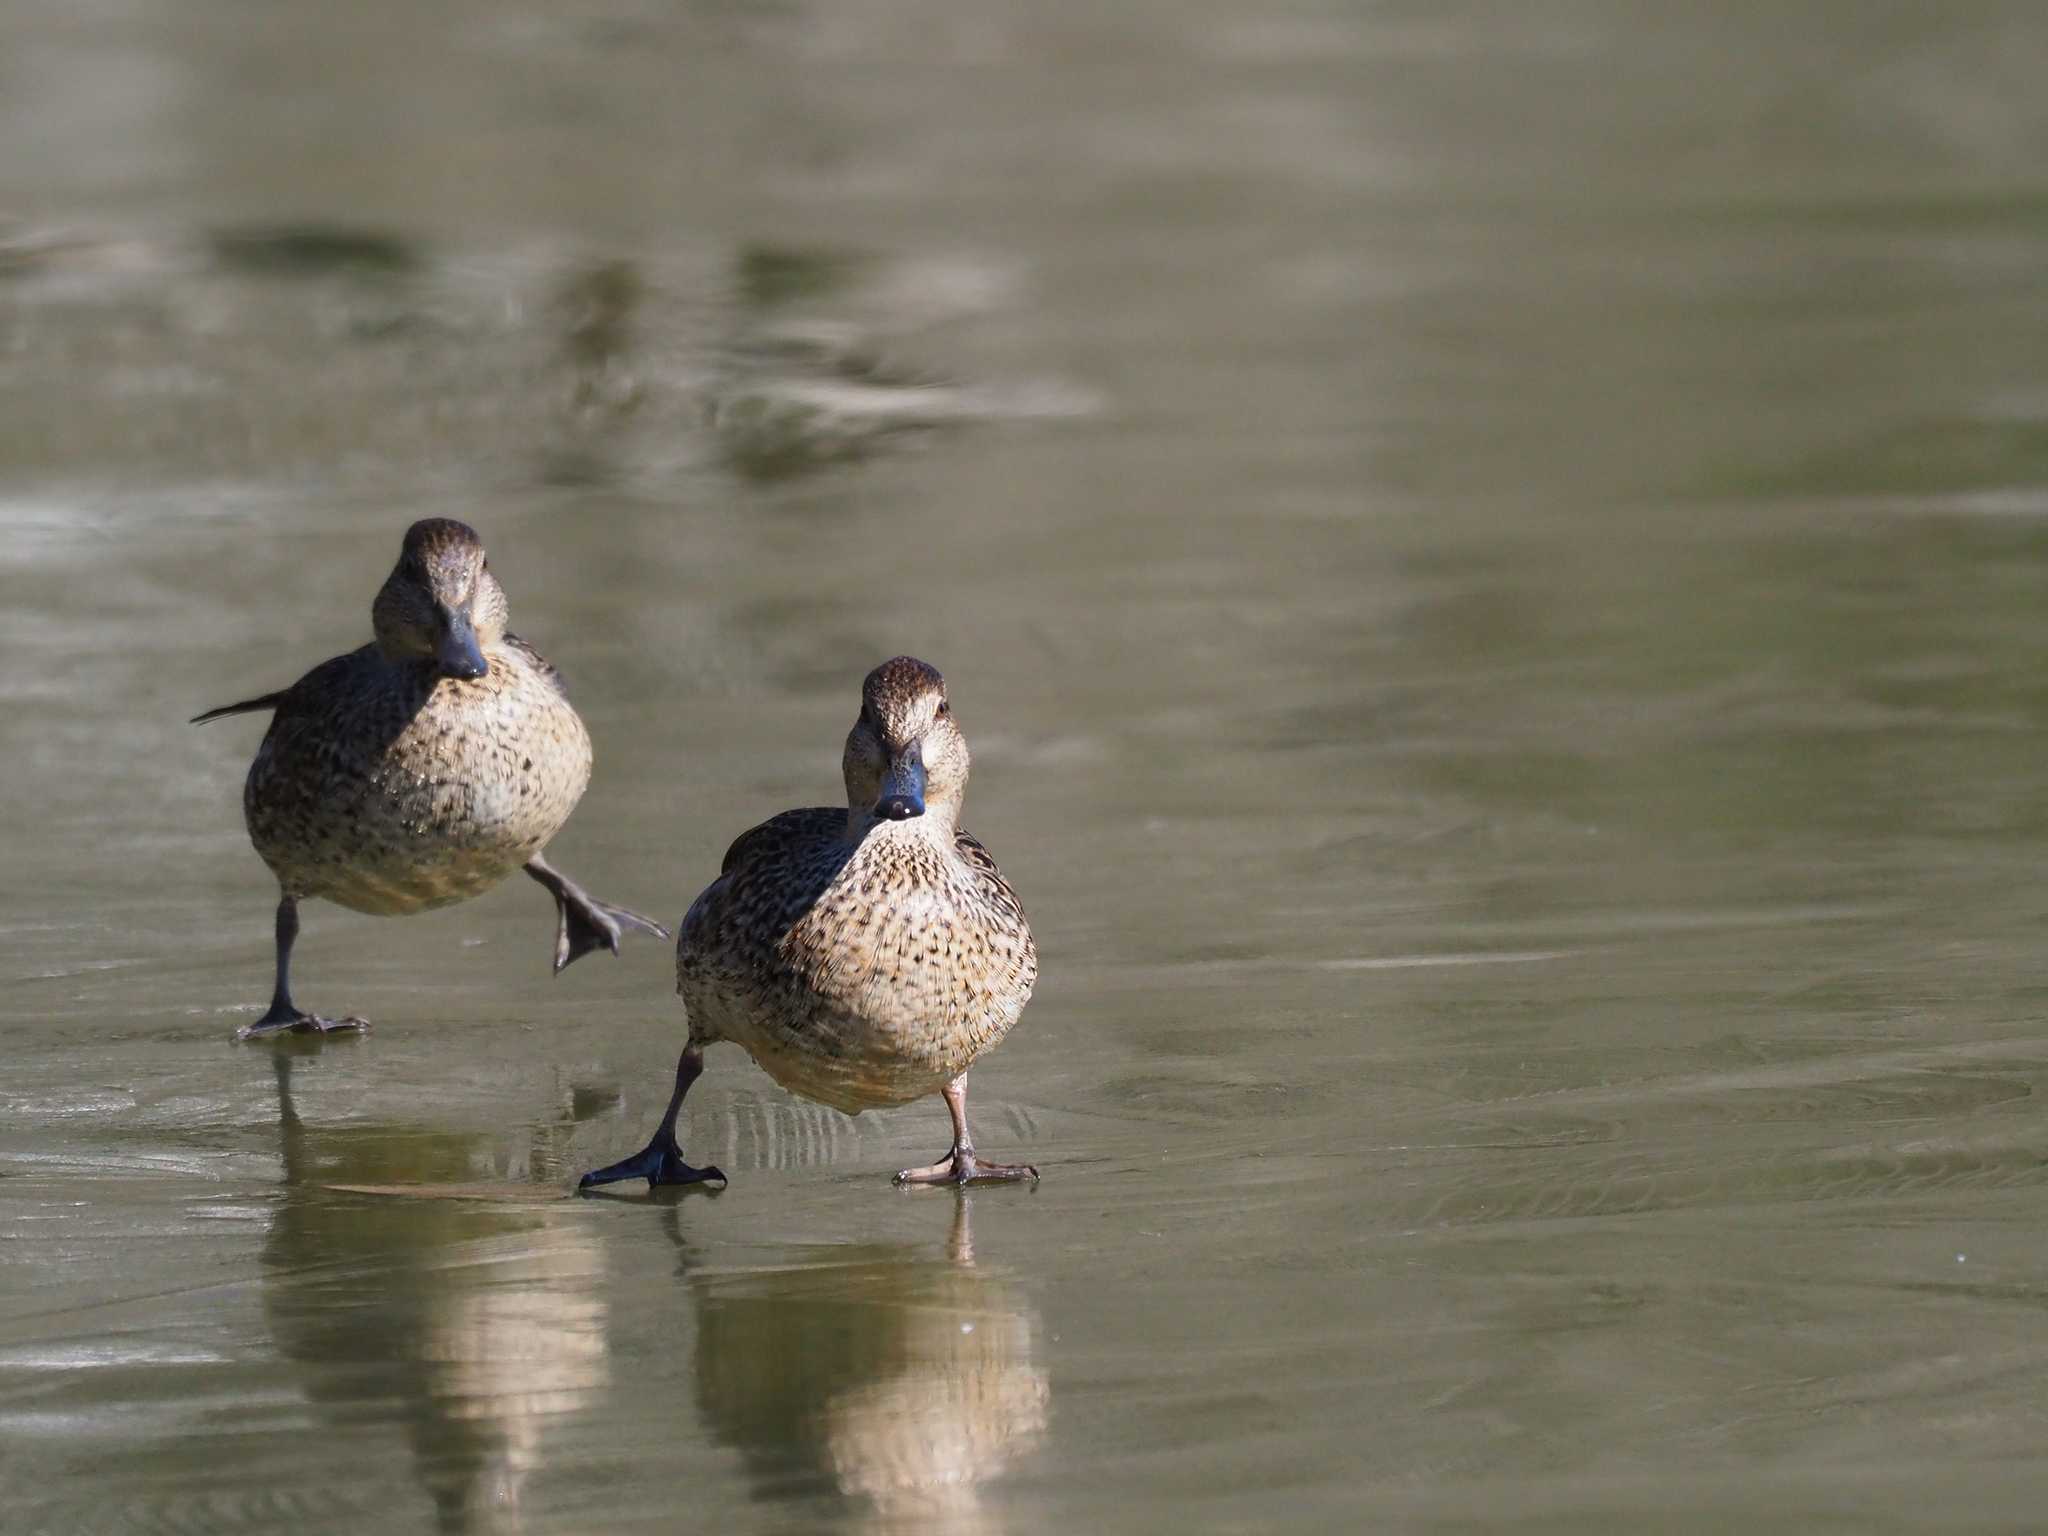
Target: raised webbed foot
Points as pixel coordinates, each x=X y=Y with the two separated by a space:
x=659 y=1162
x=961 y=1166
x=586 y=922
x=295 y=1022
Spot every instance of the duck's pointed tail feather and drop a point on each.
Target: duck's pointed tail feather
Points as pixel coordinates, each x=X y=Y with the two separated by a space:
x=247 y=706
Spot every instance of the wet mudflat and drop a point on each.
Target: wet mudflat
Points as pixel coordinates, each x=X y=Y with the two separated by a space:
x=1493 y=568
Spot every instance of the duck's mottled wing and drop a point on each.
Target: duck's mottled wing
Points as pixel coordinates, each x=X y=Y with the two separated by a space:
x=540 y=663
x=770 y=874
x=334 y=724
x=993 y=886
x=337 y=677
x=1010 y=933
x=779 y=834
x=287 y=699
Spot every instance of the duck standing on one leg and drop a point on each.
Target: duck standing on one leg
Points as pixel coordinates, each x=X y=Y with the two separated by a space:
x=864 y=956
x=423 y=768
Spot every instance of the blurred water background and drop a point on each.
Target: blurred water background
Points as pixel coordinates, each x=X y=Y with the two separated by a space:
x=1493 y=562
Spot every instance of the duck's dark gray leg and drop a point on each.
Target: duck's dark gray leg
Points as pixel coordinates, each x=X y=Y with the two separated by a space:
x=661 y=1160
x=961 y=1166
x=283 y=1018
x=587 y=923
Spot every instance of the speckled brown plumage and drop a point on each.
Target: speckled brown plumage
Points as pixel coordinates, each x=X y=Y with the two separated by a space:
x=423 y=768
x=865 y=956
x=857 y=973
x=385 y=787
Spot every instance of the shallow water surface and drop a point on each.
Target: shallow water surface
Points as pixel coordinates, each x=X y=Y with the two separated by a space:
x=1493 y=568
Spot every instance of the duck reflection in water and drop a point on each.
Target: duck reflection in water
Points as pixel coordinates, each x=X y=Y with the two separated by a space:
x=473 y=1325
x=901 y=1378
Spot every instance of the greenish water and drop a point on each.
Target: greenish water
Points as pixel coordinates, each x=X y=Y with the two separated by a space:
x=1492 y=560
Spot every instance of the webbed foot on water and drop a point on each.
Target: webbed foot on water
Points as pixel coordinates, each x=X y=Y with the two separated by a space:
x=961 y=1166
x=295 y=1022
x=659 y=1162
x=588 y=924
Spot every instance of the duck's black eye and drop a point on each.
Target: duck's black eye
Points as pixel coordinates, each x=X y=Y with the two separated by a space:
x=945 y=708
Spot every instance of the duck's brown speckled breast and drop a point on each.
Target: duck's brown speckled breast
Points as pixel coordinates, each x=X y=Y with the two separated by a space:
x=856 y=975
x=390 y=790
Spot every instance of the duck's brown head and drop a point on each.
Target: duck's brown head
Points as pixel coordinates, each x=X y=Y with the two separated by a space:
x=441 y=603
x=905 y=755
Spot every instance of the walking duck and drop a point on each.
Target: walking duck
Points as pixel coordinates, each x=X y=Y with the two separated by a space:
x=864 y=956
x=421 y=769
